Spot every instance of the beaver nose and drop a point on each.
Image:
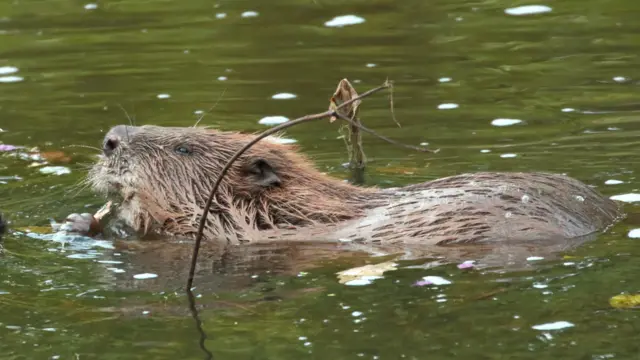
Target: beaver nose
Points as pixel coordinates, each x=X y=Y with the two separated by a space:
x=115 y=137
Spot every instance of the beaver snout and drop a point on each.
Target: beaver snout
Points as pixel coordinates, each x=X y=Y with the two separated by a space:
x=116 y=136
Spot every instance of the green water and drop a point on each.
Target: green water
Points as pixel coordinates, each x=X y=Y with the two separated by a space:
x=80 y=66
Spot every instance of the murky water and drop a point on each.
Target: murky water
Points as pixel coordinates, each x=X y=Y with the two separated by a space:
x=465 y=72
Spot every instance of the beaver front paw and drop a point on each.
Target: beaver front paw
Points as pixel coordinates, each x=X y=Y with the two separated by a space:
x=82 y=224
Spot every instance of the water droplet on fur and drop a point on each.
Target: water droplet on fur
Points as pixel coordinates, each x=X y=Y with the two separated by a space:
x=447 y=106
x=580 y=198
x=527 y=10
x=535 y=258
x=145 y=276
x=344 y=20
x=508 y=214
x=525 y=198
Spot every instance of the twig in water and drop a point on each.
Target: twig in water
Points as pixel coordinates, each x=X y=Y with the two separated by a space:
x=329 y=113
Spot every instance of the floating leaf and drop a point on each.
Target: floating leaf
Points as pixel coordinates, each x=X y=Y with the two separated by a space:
x=366 y=272
x=625 y=301
x=56 y=157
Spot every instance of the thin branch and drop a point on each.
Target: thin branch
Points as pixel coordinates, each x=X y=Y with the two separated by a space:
x=307 y=118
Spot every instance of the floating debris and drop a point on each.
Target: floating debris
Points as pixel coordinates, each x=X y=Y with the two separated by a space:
x=4 y=70
x=248 y=14
x=448 y=106
x=363 y=275
x=273 y=120
x=505 y=122
x=284 y=96
x=10 y=79
x=467 y=264
x=558 y=325
x=613 y=182
x=527 y=10
x=631 y=197
x=4 y=147
x=432 y=280
x=55 y=170
x=344 y=20
x=625 y=301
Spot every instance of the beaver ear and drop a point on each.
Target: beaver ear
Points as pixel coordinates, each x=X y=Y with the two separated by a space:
x=264 y=174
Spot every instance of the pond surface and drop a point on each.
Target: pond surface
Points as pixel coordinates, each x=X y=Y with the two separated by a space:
x=568 y=73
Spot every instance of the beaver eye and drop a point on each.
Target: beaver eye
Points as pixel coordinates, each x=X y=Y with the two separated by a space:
x=183 y=150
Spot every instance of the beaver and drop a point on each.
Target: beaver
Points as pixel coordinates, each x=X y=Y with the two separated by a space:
x=162 y=177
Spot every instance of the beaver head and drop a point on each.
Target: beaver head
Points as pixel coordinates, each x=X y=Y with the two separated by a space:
x=164 y=175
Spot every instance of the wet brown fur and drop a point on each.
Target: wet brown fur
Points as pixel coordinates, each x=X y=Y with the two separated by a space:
x=274 y=193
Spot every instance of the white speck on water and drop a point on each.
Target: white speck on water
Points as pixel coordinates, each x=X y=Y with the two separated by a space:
x=527 y=10
x=146 y=312
x=441 y=300
x=49 y=329
x=144 y=276
x=55 y=170
x=221 y=15
x=631 y=197
x=444 y=79
x=613 y=182
x=55 y=357
x=116 y=270
x=248 y=14
x=447 y=106
x=91 y=6
x=540 y=286
x=163 y=96
x=424 y=143
x=634 y=234
x=619 y=79
x=506 y=156
x=356 y=313
x=222 y=78
x=273 y=120
x=525 y=198
x=568 y=110
x=10 y=79
x=284 y=96
x=370 y=65
x=344 y=20
x=4 y=70
x=302 y=338
x=568 y=263
x=436 y=280
x=199 y=112
x=535 y=258
x=558 y=325
x=484 y=151
x=505 y=122
x=13 y=327
x=307 y=344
